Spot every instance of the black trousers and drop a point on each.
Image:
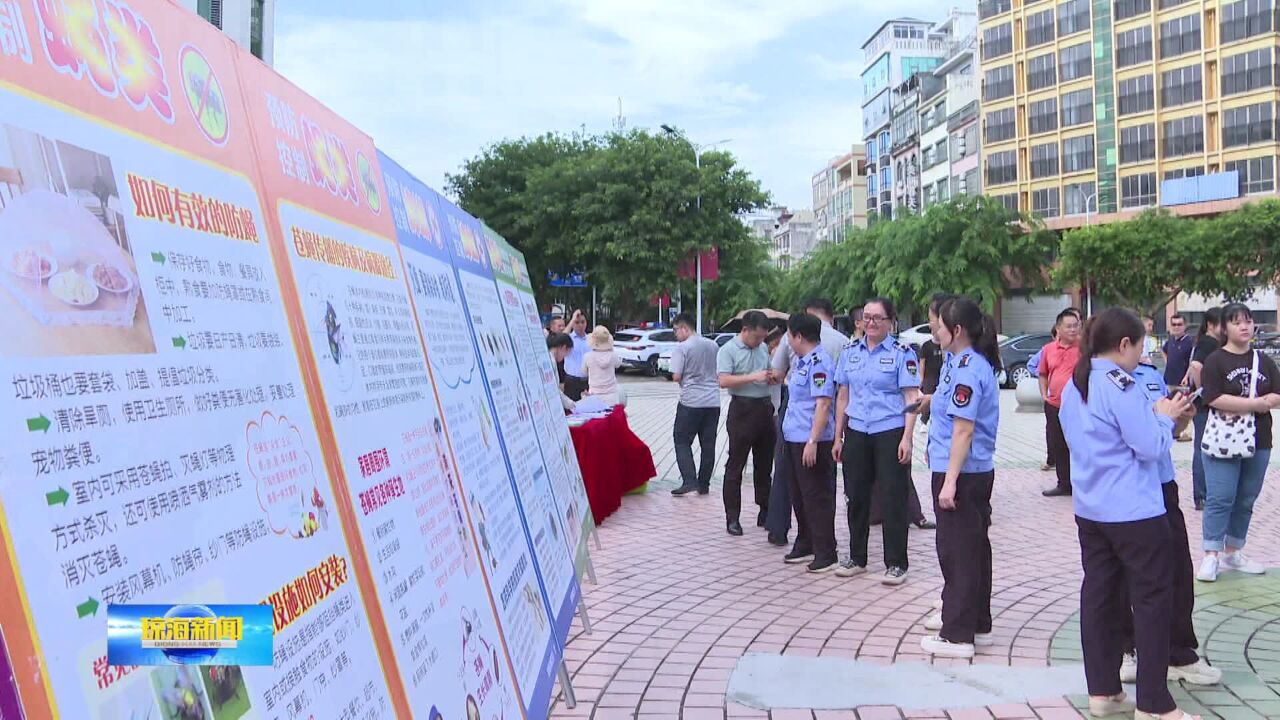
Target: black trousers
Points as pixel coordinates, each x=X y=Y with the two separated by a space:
x=1182 y=633
x=778 y=521
x=871 y=465
x=814 y=499
x=1049 y=458
x=574 y=387
x=915 y=512
x=700 y=423
x=1137 y=556
x=964 y=554
x=1058 y=446
x=751 y=432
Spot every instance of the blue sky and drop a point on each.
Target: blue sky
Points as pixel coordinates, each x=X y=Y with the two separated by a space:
x=434 y=82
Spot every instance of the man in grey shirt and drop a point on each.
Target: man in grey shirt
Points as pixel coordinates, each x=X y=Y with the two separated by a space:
x=778 y=521
x=743 y=367
x=693 y=365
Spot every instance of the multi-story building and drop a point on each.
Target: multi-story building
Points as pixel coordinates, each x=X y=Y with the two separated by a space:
x=904 y=147
x=793 y=238
x=251 y=23
x=822 y=201
x=898 y=50
x=840 y=196
x=948 y=109
x=1102 y=109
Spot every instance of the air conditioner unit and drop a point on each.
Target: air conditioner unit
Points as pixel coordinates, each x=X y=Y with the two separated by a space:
x=963 y=189
x=960 y=146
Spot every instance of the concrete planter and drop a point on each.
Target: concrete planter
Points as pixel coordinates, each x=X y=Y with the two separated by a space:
x=1028 y=396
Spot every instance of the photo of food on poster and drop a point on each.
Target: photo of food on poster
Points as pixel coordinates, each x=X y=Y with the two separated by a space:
x=422 y=220
x=158 y=431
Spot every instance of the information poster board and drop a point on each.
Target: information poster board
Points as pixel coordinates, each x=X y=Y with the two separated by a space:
x=158 y=441
x=427 y=226
x=540 y=380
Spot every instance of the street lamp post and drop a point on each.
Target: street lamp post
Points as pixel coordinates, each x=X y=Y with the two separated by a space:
x=1088 y=292
x=697 y=164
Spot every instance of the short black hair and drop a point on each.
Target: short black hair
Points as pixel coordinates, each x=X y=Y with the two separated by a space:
x=557 y=340
x=806 y=326
x=1235 y=312
x=754 y=320
x=1069 y=312
x=885 y=303
x=686 y=320
x=821 y=304
x=1177 y=316
x=938 y=300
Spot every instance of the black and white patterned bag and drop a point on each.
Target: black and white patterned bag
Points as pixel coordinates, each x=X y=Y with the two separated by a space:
x=1230 y=436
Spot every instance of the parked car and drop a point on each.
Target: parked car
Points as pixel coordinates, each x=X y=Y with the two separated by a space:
x=664 y=360
x=1268 y=343
x=640 y=349
x=915 y=336
x=1014 y=354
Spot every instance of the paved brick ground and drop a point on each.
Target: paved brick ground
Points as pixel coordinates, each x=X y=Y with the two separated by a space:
x=679 y=601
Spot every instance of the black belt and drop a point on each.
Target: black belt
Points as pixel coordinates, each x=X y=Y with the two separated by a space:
x=750 y=399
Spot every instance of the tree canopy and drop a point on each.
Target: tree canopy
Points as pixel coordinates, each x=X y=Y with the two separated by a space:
x=621 y=207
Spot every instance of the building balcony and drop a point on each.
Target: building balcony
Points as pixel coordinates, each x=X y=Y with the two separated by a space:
x=966 y=114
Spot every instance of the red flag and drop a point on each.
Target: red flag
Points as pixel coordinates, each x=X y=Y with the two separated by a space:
x=688 y=269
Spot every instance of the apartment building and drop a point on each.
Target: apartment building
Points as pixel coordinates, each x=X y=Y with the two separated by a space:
x=1097 y=110
x=793 y=238
x=949 y=117
x=251 y=23
x=839 y=196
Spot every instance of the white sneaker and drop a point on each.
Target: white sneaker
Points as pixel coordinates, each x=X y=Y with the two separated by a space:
x=1208 y=569
x=933 y=622
x=1197 y=673
x=1129 y=668
x=1240 y=563
x=894 y=576
x=848 y=569
x=983 y=640
x=1114 y=705
x=941 y=647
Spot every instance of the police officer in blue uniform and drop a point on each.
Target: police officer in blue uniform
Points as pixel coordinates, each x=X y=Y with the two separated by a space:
x=878 y=378
x=808 y=430
x=1117 y=439
x=1184 y=663
x=964 y=417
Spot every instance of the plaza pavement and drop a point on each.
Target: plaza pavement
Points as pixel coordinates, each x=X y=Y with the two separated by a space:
x=679 y=603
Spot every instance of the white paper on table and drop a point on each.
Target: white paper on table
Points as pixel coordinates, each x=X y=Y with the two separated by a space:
x=590 y=404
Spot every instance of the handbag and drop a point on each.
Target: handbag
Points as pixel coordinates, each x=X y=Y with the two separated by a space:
x=1231 y=436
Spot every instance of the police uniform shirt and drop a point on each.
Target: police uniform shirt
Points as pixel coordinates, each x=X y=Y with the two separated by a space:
x=1117 y=443
x=876 y=378
x=810 y=380
x=967 y=390
x=1152 y=384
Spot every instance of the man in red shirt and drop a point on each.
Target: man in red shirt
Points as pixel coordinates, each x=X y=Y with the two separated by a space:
x=1057 y=363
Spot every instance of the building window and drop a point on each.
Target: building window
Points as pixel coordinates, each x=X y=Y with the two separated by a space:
x=1184 y=173
x=1136 y=95
x=1044 y=160
x=1166 y=4
x=1042 y=115
x=1137 y=143
x=992 y=8
x=1041 y=72
x=1077 y=154
x=210 y=10
x=997 y=41
x=1002 y=167
x=1045 y=203
x=1257 y=175
x=1073 y=17
x=1133 y=47
x=1076 y=61
x=1039 y=28
x=1077 y=108
x=1000 y=126
x=1181 y=86
x=1247 y=125
x=1184 y=136
x=1080 y=198
x=1009 y=201
x=997 y=83
x=1138 y=190
x=1179 y=36
x=1245 y=19
x=1125 y=9
x=1246 y=71
x=257 y=19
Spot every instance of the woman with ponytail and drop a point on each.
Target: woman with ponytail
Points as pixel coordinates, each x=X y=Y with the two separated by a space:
x=1117 y=438
x=965 y=413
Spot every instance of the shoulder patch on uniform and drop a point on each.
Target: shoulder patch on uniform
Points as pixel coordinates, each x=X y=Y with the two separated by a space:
x=964 y=361
x=849 y=344
x=962 y=395
x=913 y=367
x=1121 y=379
x=819 y=379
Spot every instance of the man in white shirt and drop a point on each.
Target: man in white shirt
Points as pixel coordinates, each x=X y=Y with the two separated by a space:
x=575 y=381
x=693 y=365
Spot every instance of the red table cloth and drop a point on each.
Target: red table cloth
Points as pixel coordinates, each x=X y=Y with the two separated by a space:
x=613 y=459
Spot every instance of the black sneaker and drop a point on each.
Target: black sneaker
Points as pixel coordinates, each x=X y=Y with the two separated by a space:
x=795 y=557
x=761 y=517
x=1056 y=491
x=776 y=539
x=821 y=566
x=925 y=524
x=684 y=490
x=734 y=528
x=894 y=576
x=704 y=490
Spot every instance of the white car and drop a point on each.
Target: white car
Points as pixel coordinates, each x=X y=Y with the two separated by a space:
x=915 y=336
x=640 y=349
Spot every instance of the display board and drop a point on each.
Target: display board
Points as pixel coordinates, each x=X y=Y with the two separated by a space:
x=253 y=362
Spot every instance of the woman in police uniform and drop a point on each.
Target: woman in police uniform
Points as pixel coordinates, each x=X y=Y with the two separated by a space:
x=877 y=378
x=1116 y=439
x=965 y=413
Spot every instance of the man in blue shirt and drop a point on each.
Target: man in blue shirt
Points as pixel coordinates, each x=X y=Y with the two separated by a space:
x=1177 y=355
x=808 y=430
x=575 y=380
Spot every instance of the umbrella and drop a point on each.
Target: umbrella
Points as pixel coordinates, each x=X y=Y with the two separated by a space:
x=776 y=320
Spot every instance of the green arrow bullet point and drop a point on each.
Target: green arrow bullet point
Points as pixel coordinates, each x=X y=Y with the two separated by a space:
x=157 y=257
x=57 y=497
x=179 y=342
x=86 y=608
x=39 y=423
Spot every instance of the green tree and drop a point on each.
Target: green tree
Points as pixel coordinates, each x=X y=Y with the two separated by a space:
x=623 y=207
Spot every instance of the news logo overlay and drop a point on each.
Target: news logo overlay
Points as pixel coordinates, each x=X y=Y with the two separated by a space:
x=190 y=635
